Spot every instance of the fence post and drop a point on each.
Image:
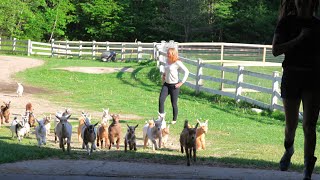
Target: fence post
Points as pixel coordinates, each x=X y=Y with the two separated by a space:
x=123 y=50
x=222 y=53
x=199 y=81
x=162 y=49
x=107 y=46
x=66 y=48
x=80 y=49
x=52 y=48
x=222 y=77
x=264 y=54
x=239 y=81
x=14 y=44
x=275 y=87
x=93 y=49
x=29 y=50
x=154 y=50
x=139 y=51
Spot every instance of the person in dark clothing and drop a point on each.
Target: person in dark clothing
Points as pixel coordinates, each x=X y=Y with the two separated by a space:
x=297 y=36
x=171 y=85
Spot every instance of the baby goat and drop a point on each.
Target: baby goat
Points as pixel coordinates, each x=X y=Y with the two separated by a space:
x=41 y=132
x=19 y=89
x=153 y=133
x=5 y=112
x=84 y=118
x=188 y=141
x=105 y=116
x=64 y=131
x=130 y=138
x=89 y=136
x=201 y=134
x=115 y=131
x=165 y=135
x=102 y=135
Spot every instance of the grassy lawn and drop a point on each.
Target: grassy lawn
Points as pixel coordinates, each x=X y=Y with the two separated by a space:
x=236 y=137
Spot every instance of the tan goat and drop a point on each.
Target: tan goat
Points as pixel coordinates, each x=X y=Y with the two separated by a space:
x=188 y=142
x=5 y=112
x=115 y=131
x=201 y=134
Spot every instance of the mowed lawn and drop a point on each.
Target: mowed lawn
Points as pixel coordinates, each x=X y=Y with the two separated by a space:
x=236 y=137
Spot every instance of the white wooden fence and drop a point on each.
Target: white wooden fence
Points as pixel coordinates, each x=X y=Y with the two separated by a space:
x=197 y=79
x=227 y=54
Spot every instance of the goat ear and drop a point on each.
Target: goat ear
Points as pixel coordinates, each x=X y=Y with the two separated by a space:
x=206 y=122
x=197 y=126
x=96 y=124
x=128 y=126
x=136 y=126
x=58 y=117
x=68 y=116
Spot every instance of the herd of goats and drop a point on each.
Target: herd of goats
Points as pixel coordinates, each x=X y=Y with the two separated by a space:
x=102 y=133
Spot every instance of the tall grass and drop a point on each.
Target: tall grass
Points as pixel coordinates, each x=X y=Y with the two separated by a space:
x=236 y=137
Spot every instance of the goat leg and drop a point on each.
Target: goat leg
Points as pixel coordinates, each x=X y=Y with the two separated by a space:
x=194 y=154
x=135 y=146
x=154 y=142
x=125 y=145
x=118 y=143
x=145 y=142
x=98 y=139
x=188 y=156
x=181 y=149
x=68 y=146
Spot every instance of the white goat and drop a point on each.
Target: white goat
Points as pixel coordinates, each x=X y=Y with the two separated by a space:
x=64 y=131
x=105 y=116
x=153 y=133
x=161 y=117
x=19 y=89
x=41 y=132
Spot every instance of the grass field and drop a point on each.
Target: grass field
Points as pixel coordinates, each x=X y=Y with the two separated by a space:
x=236 y=137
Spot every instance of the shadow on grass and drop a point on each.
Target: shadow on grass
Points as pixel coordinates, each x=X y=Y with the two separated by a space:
x=18 y=152
x=138 y=82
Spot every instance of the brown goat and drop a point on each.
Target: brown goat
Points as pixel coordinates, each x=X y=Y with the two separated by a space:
x=188 y=142
x=114 y=131
x=5 y=112
x=102 y=135
x=130 y=138
x=201 y=134
x=31 y=118
x=29 y=107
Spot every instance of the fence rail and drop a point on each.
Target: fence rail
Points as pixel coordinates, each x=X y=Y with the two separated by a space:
x=197 y=78
x=201 y=56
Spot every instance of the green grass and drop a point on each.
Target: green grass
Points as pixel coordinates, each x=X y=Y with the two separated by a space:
x=237 y=137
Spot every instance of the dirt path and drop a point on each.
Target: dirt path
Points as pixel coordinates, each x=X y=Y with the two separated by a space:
x=86 y=169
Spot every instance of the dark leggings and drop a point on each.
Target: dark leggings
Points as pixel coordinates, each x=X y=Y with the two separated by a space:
x=174 y=93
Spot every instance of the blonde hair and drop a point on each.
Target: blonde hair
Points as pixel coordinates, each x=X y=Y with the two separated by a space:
x=172 y=55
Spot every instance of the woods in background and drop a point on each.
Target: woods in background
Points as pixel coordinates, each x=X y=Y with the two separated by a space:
x=250 y=21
